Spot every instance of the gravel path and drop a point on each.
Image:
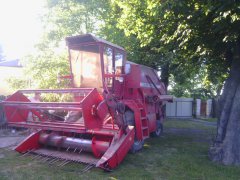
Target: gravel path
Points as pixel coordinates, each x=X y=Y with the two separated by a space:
x=10 y=142
x=9 y=138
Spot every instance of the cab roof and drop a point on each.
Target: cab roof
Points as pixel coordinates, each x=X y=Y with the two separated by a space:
x=89 y=38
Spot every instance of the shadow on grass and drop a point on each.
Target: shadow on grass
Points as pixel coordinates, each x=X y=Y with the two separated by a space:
x=178 y=154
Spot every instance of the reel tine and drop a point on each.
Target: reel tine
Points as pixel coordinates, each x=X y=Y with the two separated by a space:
x=41 y=157
x=50 y=162
x=48 y=157
x=55 y=160
x=64 y=163
x=36 y=156
x=92 y=165
x=59 y=162
x=29 y=151
x=85 y=168
x=88 y=167
x=44 y=158
x=80 y=151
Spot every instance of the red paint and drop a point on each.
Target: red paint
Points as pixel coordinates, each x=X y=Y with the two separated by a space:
x=30 y=143
x=140 y=91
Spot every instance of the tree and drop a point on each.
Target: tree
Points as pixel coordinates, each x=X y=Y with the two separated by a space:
x=64 y=18
x=136 y=52
x=45 y=67
x=197 y=33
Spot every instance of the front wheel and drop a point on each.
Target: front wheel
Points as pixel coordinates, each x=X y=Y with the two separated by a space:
x=137 y=146
x=158 y=131
x=129 y=120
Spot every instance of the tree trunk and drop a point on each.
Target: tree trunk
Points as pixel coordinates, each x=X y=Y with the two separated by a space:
x=226 y=148
x=165 y=74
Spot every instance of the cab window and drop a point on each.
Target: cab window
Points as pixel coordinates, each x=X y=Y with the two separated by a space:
x=118 y=62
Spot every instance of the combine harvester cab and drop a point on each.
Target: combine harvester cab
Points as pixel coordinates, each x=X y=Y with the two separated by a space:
x=112 y=107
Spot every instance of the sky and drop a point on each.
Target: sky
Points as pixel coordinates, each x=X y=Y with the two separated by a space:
x=20 y=26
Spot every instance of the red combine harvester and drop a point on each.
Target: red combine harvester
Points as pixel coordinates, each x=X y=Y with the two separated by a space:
x=112 y=107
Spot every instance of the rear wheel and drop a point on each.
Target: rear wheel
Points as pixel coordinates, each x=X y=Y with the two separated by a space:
x=158 y=131
x=129 y=120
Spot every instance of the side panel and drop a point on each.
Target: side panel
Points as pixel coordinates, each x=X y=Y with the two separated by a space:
x=152 y=121
x=144 y=86
x=89 y=105
x=118 y=149
x=13 y=114
x=30 y=143
x=132 y=81
x=138 y=125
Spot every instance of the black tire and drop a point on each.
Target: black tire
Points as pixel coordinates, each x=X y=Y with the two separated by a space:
x=159 y=130
x=129 y=120
x=137 y=146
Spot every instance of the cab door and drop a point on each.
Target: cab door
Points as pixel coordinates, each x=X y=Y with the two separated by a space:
x=113 y=70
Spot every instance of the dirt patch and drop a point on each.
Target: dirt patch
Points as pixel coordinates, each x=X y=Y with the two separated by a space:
x=10 y=142
x=2 y=156
x=7 y=131
x=10 y=137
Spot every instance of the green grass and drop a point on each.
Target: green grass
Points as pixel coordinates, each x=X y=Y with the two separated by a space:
x=181 y=153
x=209 y=119
x=186 y=124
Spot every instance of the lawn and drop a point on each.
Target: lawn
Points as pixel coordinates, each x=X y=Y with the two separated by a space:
x=181 y=153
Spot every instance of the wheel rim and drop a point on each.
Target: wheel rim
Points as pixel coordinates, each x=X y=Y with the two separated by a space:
x=158 y=131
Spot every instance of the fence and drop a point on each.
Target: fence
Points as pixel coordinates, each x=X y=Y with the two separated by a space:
x=2 y=116
x=180 y=108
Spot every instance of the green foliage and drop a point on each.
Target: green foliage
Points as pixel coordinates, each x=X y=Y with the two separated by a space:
x=65 y=18
x=18 y=83
x=194 y=83
x=196 y=32
x=45 y=67
x=62 y=18
x=42 y=70
x=187 y=40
